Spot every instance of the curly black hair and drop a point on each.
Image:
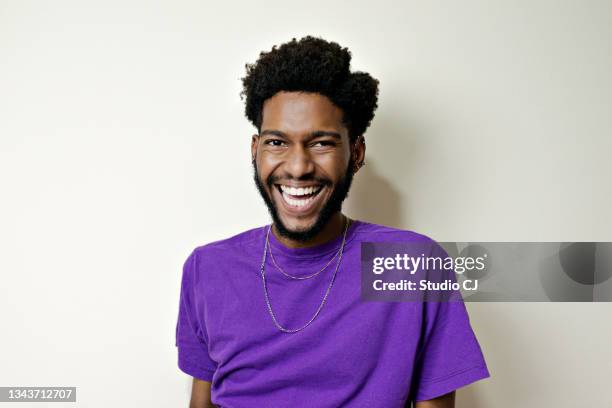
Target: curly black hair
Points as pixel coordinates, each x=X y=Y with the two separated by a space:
x=312 y=65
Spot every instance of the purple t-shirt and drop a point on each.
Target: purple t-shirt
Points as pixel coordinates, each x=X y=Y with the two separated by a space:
x=354 y=354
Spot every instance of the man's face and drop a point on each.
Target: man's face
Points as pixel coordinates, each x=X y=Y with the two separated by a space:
x=302 y=162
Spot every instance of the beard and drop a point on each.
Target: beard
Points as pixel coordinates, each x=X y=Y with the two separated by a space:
x=332 y=206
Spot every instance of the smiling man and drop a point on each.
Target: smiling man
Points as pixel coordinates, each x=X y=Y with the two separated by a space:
x=272 y=317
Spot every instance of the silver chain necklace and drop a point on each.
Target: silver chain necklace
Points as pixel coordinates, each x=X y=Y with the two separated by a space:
x=298 y=277
x=265 y=285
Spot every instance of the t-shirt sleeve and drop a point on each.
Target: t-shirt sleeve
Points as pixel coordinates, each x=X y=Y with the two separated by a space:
x=449 y=355
x=193 y=357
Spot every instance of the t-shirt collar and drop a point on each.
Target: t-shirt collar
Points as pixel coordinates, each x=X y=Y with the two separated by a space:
x=314 y=251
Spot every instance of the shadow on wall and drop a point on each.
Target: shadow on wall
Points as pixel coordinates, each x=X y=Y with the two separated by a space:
x=373 y=197
x=513 y=381
x=468 y=397
x=385 y=198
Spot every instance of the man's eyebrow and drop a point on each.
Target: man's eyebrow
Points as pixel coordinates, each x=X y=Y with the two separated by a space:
x=316 y=133
x=272 y=133
x=320 y=133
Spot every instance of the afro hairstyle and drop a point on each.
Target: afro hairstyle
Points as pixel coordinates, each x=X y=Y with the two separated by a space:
x=312 y=65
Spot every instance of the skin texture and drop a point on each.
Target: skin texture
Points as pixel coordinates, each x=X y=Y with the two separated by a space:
x=295 y=146
x=200 y=394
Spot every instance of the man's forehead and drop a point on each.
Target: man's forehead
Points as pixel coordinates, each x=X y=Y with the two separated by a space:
x=300 y=113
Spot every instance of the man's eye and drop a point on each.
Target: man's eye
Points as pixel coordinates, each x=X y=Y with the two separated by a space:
x=274 y=142
x=323 y=143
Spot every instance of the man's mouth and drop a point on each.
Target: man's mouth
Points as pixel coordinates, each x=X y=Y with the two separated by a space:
x=299 y=198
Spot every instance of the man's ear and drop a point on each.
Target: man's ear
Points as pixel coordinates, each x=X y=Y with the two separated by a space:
x=254 y=144
x=358 y=153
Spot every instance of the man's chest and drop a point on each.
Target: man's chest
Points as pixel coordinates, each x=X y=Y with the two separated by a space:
x=349 y=339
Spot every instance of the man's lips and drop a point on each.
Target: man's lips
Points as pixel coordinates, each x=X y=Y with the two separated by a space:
x=299 y=199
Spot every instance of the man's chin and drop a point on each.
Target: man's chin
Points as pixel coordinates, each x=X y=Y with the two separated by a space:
x=298 y=227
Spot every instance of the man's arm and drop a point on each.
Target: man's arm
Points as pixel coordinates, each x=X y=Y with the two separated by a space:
x=200 y=394
x=445 y=401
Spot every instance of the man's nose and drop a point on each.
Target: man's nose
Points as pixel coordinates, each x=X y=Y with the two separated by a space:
x=299 y=163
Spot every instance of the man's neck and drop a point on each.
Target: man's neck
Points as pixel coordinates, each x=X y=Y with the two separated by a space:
x=333 y=229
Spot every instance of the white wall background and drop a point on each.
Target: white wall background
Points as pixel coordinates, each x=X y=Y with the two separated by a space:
x=123 y=145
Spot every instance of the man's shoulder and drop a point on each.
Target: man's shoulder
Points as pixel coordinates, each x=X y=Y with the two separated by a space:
x=368 y=231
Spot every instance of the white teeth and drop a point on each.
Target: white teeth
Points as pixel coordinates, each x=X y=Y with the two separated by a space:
x=289 y=193
x=297 y=203
x=299 y=191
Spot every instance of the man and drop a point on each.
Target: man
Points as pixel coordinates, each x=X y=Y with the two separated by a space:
x=272 y=317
